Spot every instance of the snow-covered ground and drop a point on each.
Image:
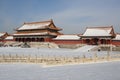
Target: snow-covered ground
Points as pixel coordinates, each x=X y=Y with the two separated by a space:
x=86 y=48
x=97 y=71
x=52 y=52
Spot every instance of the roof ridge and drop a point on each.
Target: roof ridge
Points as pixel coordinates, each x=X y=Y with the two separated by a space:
x=37 y=22
x=101 y=27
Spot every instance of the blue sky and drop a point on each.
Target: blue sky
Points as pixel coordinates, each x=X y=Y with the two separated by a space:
x=71 y=15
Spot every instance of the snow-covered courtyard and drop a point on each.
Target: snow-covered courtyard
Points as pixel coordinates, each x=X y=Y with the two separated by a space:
x=97 y=71
x=22 y=71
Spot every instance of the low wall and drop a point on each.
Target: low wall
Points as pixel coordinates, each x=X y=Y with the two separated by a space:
x=67 y=41
x=116 y=42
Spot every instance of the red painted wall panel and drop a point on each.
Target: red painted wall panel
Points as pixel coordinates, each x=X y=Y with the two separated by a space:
x=67 y=41
x=116 y=42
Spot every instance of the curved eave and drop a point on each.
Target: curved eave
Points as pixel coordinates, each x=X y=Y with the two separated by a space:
x=35 y=34
x=57 y=29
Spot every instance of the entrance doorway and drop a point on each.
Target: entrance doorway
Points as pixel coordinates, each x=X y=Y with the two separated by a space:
x=95 y=41
x=87 y=41
x=103 y=41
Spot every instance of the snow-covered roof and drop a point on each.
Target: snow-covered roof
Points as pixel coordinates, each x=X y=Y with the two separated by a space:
x=43 y=33
x=2 y=34
x=67 y=37
x=117 y=37
x=35 y=25
x=98 y=31
x=9 y=38
x=38 y=25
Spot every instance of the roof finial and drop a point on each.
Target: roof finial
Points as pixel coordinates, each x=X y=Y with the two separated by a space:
x=51 y=19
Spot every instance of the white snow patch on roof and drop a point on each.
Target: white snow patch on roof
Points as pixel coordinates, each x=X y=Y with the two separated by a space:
x=43 y=33
x=97 y=32
x=40 y=25
x=9 y=38
x=117 y=37
x=67 y=37
x=1 y=34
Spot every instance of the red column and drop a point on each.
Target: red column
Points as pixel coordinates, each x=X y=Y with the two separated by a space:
x=110 y=41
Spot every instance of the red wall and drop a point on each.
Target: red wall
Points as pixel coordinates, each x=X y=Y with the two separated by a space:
x=47 y=39
x=67 y=41
x=116 y=42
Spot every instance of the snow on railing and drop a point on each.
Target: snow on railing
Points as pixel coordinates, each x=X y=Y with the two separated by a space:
x=57 y=60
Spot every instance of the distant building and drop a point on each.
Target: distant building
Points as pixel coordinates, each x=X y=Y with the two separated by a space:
x=98 y=35
x=3 y=36
x=9 y=38
x=37 y=32
x=67 y=39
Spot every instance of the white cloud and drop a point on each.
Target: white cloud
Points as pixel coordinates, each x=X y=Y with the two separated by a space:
x=74 y=19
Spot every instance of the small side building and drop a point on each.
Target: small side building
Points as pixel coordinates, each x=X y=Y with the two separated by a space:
x=3 y=35
x=9 y=38
x=67 y=39
x=42 y=31
x=98 y=35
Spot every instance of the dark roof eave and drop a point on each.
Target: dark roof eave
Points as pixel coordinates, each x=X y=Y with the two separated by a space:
x=57 y=29
x=37 y=29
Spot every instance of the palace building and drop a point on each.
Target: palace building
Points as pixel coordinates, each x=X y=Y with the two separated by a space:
x=37 y=32
x=3 y=35
x=67 y=39
x=46 y=31
x=98 y=35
